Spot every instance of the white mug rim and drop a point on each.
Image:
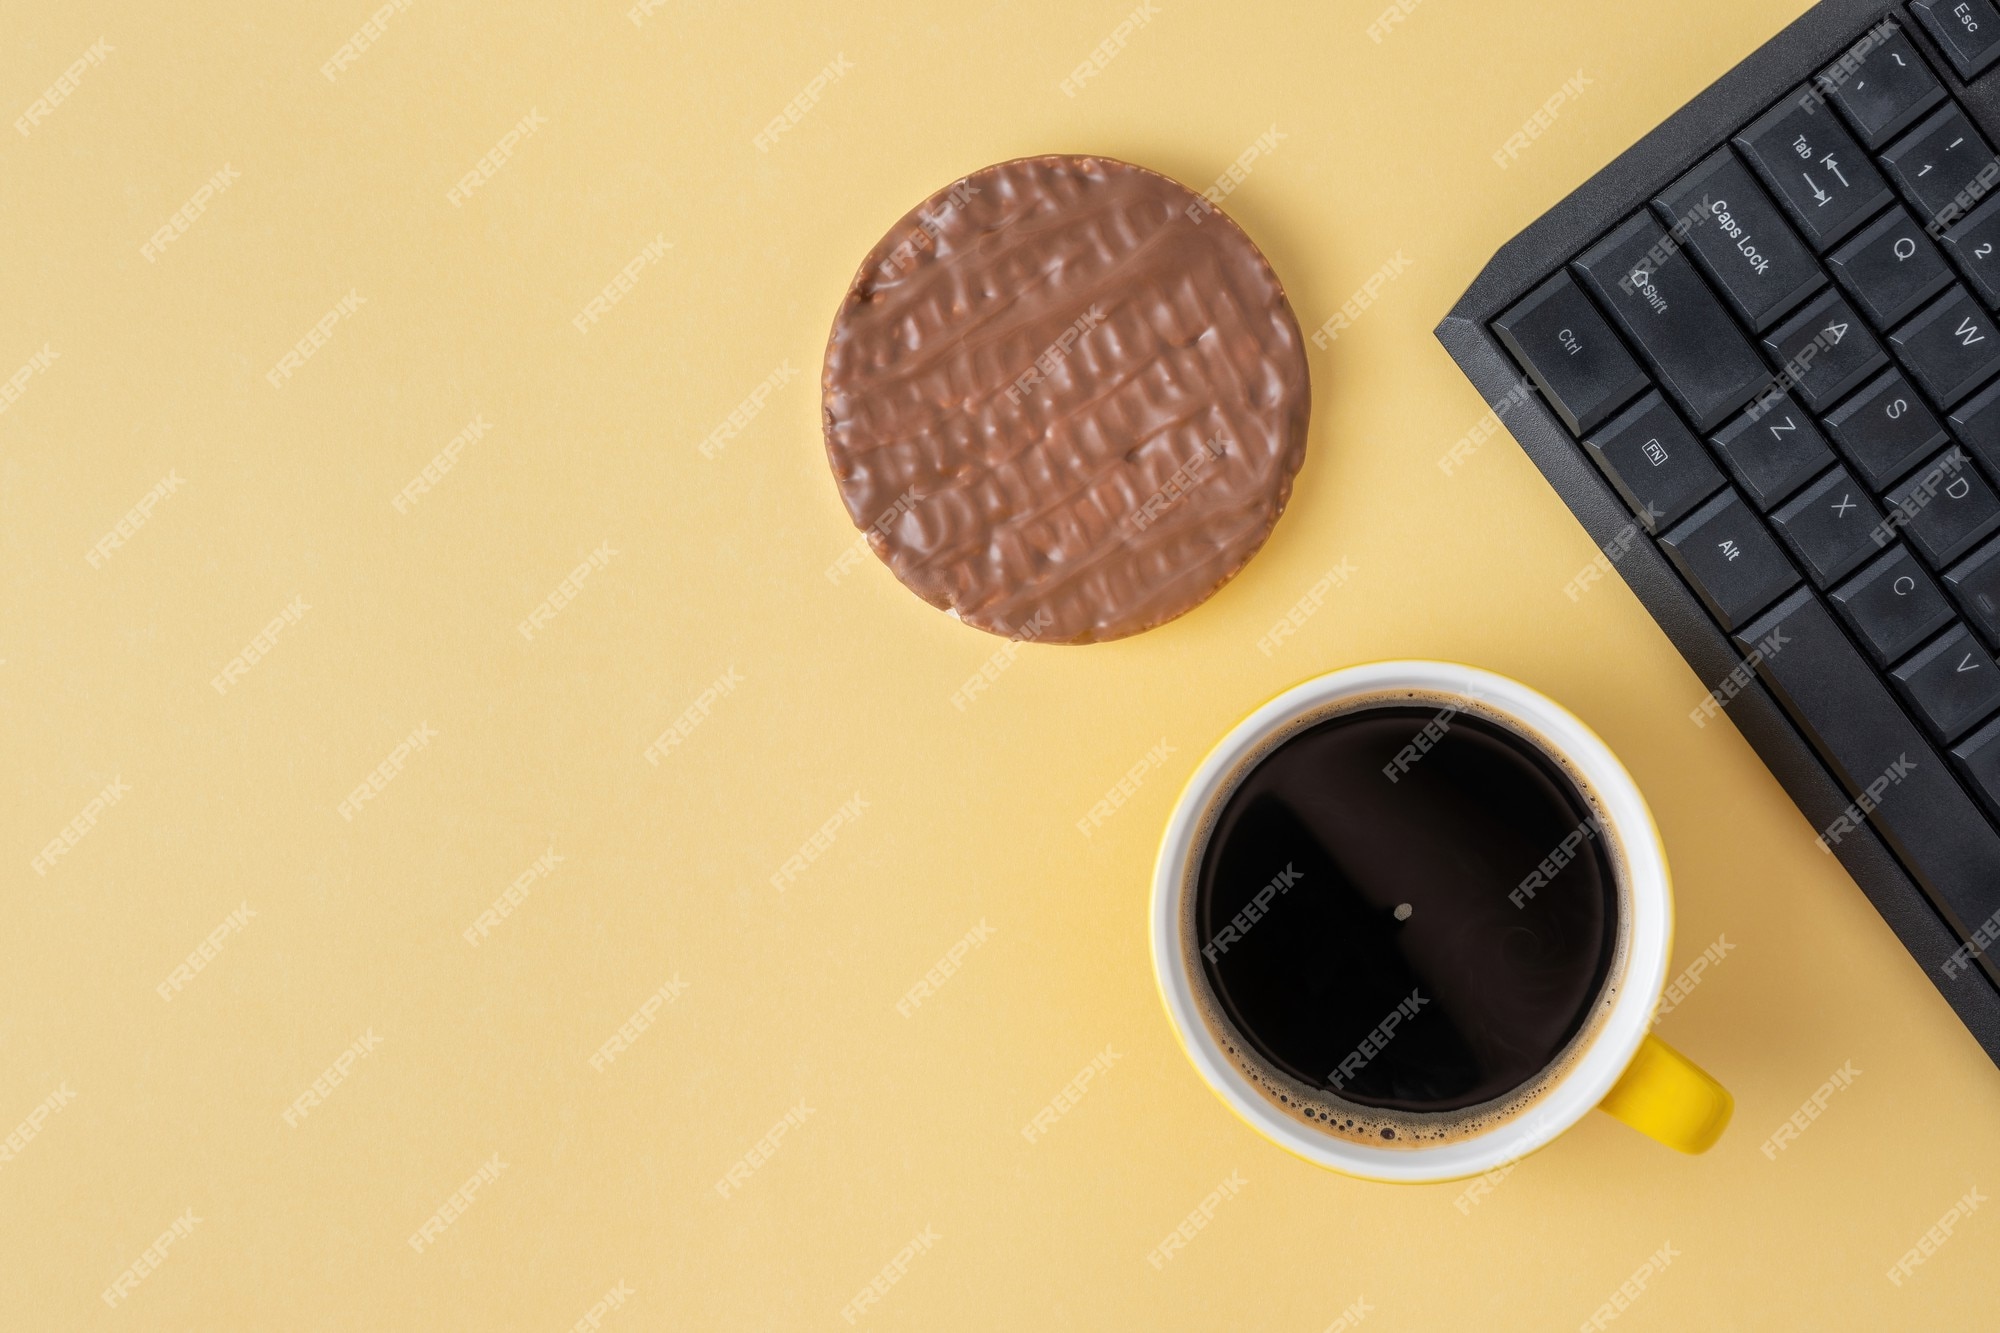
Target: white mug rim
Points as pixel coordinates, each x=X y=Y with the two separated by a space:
x=1617 y=1039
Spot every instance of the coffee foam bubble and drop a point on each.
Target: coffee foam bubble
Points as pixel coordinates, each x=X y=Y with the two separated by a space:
x=1382 y=1127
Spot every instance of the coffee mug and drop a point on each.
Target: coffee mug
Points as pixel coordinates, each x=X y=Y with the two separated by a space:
x=1611 y=1061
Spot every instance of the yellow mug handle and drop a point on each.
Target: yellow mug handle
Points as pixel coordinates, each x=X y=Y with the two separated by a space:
x=1666 y=1096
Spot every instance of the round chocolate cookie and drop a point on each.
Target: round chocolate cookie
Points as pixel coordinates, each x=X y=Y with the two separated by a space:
x=1065 y=398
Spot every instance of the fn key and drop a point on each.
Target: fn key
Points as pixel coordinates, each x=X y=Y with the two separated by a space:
x=1725 y=551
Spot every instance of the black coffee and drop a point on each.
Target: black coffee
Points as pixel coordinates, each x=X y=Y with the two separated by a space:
x=1410 y=908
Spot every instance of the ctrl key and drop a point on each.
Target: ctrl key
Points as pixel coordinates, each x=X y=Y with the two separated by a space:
x=1571 y=353
x=1725 y=551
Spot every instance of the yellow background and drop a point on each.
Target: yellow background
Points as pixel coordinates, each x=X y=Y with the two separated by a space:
x=720 y=563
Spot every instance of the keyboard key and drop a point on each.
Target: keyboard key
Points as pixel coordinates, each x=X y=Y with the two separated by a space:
x=1975 y=247
x=1659 y=299
x=1821 y=176
x=1886 y=429
x=1978 y=757
x=1725 y=552
x=1824 y=350
x=1975 y=423
x=1949 y=347
x=1893 y=605
x=1937 y=163
x=1740 y=239
x=1945 y=508
x=1571 y=353
x=1832 y=525
x=1881 y=85
x=1654 y=461
x=1849 y=716
x=1968 y=31
x=1975 y=585
x=1952 y=683
x=1890 y=268
x=1772 y=449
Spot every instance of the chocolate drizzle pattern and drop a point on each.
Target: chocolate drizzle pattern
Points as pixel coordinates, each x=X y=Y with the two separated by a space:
x=1066 y=398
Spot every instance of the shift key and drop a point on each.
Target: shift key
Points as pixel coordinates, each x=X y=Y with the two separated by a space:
x=1668 y=310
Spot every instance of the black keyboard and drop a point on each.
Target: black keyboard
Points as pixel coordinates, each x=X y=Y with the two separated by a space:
x=1759 y=357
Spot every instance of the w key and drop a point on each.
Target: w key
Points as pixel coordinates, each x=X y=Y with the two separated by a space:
x=1950 y=346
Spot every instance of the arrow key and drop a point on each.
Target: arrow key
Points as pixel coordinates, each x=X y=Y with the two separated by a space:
x=1952 y=683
